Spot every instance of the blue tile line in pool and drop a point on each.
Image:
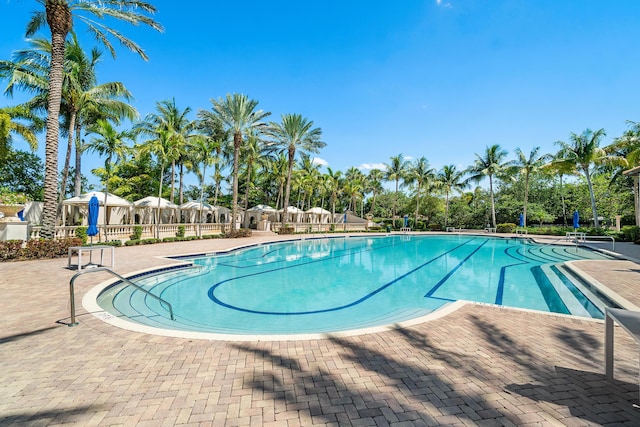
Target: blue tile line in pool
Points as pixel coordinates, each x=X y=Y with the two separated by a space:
x=352 y=304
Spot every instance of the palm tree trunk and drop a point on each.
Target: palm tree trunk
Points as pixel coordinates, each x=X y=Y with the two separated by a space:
x=237 y=142
x=204 y=169
x=181 y=184
x=564 y=207
x=592 y=196
x=446 y=209
x=173 y=181
x=287 y=188
x=55 y=12
x=247 y=183
x=159 y=197
x=67 y=163
x=417 y=207
x=493 y=204
x=78 y=166
x=526 y=199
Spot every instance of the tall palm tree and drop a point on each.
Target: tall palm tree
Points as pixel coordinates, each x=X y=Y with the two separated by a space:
x=210 y=125
x=527 y=166
x=160 y=145
x=395 y=171
x=250 y=153
x=374 y=186
x=492 y=165
x=59 y=15
x=238 y=115
x=111 y=143
x=583 y=152
x=294 y=134
x=450 y=180
x=180 y=130
x=421 y=174
x=201 y=151
x=334 y=184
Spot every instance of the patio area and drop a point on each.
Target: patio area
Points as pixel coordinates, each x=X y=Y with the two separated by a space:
x=480 y=365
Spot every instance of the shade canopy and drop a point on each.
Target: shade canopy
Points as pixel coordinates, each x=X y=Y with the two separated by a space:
x=112 y=199
x=152 y=202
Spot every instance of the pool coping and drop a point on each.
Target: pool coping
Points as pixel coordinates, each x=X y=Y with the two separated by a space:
x=89 y=300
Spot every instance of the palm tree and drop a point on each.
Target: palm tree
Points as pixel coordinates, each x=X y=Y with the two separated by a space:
x=250 y=152
x=395 y=171
x=294 y=134
x=210 y=125
x=9 y=126
x=160 y=145
x=201 y=148
x=421 y=174
x=450 y=180
x=334 y=184
x=59 y=15
x=492 y=165
x=238 y=116
x=374 y=186
x=527 y=166
x=582 y=152
x=628 y=145
x=111 y=143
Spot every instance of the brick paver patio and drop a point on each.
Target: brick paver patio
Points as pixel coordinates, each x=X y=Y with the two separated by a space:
x=480 y=365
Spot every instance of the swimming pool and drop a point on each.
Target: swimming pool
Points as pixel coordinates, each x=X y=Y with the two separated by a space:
x=338 y=284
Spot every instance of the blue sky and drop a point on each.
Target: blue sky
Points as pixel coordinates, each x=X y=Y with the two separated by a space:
x=434 y=78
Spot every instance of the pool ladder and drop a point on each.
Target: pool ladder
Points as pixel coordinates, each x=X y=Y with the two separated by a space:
x=126 y=281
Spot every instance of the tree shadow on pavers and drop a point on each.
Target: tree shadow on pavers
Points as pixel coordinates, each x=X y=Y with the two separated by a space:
x=54 y=416
x=577 y=393
x=588 y=396
x=10 y=338
x=583 y=344
x=323 y=394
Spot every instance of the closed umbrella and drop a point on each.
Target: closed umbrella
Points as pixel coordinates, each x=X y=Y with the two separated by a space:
x=94 y=207
x=576 y=220
x=521 y=220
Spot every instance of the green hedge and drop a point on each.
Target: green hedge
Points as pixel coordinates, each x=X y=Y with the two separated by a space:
x=36 y=249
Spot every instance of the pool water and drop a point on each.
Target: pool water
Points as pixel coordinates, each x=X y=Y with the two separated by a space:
x=337 y=284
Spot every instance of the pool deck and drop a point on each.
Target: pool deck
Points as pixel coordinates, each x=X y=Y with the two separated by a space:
x=479 y=365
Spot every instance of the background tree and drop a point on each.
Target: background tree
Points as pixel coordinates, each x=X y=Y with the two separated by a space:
x=394 y=171
x=238 y=115
x=583 y=152
x=492 y=165
x=294 y=134
x=450 y=180
x=420 y=174
x=59 y=16
x=527 y=166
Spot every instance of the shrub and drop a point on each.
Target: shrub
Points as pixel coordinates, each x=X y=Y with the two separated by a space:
x=132 y=242
x=211 y=236
x=137 y=233
x=81 y=233
x=630 y=233
x=232 y=234
x=507 y=227
x=10 y=249
x=116 y=243
x=149 y=241
x=35 y=249
x=285 y=230
x=170 y=239
x=180 y=232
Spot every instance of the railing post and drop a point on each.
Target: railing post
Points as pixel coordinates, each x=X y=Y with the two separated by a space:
x=72 y=300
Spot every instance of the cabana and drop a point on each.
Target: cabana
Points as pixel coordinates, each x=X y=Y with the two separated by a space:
x=294 y=215
x=317 y=216
x=191 y=212
x=117 y=210
x=254 y=215
x=145 y=210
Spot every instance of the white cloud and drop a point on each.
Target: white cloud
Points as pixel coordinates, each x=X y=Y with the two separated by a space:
x=408 y=158
x=319 y=161
x=369 y=166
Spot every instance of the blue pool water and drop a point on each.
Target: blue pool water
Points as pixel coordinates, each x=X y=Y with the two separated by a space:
x=336 y=284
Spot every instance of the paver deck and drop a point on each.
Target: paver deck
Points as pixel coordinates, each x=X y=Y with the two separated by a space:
x=480 y=365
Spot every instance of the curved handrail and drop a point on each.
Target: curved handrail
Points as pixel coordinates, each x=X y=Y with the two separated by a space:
x=123 y=279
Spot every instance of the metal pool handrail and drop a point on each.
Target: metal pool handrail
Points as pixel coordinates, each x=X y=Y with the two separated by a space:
x=123 y=279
